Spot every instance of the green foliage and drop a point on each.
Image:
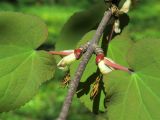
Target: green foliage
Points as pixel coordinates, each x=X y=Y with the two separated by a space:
x=26 y=1
x=129 y=96
x=136 y=96
x=143 y=25
x=54 y=19
x=118 y=48
x=22 y=68
x=117 y=51
x=6 y=7
x=82 y=22
x=47 y=104
x=78 y=25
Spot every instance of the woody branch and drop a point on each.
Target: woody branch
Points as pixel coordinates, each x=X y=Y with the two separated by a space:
x=82 y=65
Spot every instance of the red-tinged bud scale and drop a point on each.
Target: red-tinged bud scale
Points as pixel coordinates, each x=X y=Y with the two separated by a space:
x=78 y=53
x=99 y=58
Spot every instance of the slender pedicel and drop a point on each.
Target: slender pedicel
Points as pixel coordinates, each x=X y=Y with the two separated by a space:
x=114 y=65
x=62 y=53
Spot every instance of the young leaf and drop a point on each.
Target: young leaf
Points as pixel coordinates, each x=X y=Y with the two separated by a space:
x=22 y=68
x=136 y=96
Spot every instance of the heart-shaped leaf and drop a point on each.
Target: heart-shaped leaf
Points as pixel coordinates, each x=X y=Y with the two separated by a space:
x=22 y=68
x=136 y=96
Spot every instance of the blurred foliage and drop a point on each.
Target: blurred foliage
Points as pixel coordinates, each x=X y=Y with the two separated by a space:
x=73 y=30
x=82 y=3
x=47 y=103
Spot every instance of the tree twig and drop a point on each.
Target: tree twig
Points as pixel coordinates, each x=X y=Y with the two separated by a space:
x=82 y=65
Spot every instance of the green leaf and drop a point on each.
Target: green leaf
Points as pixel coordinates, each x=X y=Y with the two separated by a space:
x=118 y=48
x=78 y=25
x=22 y=68
x=136 y=96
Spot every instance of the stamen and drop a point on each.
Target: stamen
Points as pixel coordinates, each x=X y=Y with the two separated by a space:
x=66 y=80
x=99 y=57
x=95 y=88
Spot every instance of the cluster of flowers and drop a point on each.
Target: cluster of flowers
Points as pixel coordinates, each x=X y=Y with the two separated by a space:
x=105 y=64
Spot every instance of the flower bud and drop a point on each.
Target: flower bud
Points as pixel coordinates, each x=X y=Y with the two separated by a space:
x=107 y=65
x=117 y=28
x=126 y=6
x=104 y=68
x=67 y=60
x=72 y=55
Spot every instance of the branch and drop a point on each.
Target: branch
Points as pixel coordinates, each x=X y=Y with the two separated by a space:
x=82 y=65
